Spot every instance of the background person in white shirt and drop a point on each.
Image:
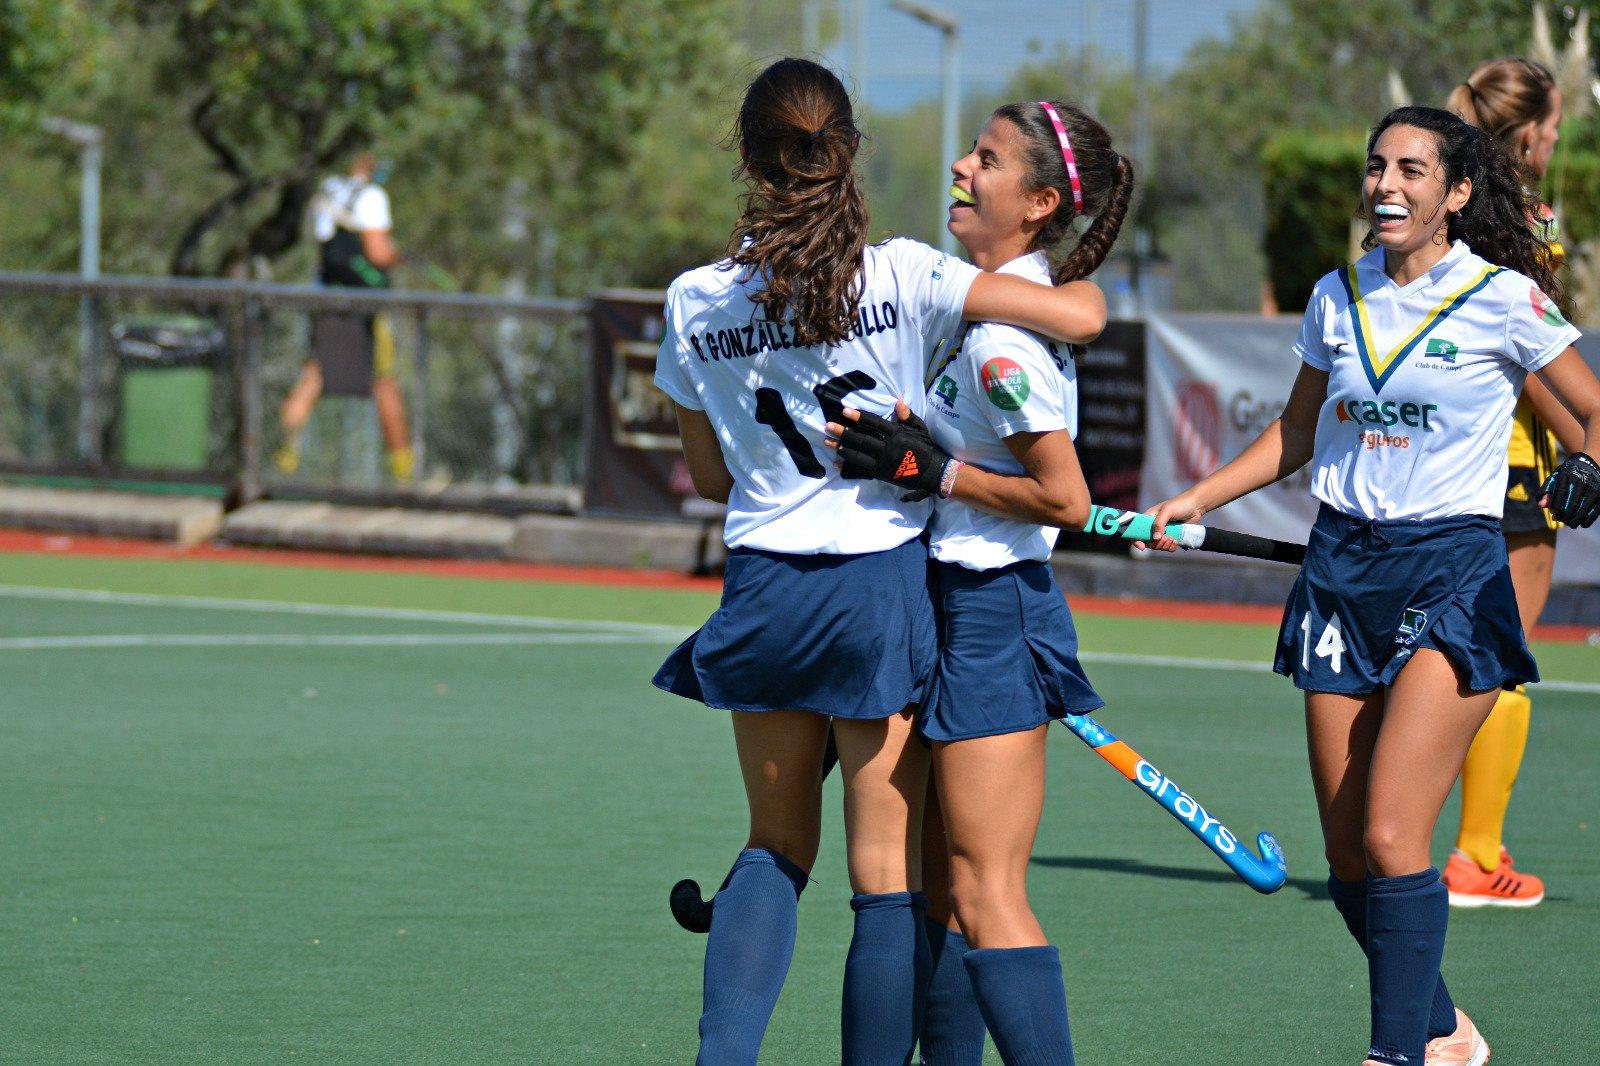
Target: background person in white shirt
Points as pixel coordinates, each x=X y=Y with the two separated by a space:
x=997 y=447
x=352 y=224
x=825 y=616
x=1402 y=628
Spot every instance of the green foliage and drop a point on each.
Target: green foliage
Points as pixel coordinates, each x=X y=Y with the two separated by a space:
x=38 y=39
x=280 y=92
x=1573 y=186
x=1313 y=189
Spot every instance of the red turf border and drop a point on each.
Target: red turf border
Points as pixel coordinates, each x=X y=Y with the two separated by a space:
x=23 y=542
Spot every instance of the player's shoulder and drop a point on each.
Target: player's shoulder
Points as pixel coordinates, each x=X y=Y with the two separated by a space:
x=1512 y=286
x=989 y=339
x=1334 y=287
x=705 y=281
x=994 y=351
x=906 y=256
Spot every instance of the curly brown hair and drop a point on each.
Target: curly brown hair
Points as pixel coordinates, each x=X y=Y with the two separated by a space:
x=1494 y=222
x=803 y=224
x=1104 y=175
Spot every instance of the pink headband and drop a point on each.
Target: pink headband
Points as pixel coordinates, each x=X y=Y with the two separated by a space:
x=1066 y=156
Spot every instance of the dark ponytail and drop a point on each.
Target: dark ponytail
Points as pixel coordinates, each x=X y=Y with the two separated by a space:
x=803 y=224
x=1494 y=222
x=1104 y=176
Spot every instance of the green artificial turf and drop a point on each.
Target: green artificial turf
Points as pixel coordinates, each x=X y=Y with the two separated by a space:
x=460 y=853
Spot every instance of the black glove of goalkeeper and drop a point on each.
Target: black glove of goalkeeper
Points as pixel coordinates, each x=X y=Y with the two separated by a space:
x=900 y=453
x=1574 y=491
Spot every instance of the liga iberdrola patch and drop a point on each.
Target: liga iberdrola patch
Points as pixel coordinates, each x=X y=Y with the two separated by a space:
x=1005 y=382
x=1545 y=307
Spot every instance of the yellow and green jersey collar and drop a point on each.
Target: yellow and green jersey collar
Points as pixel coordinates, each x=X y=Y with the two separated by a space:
x=1379 y=365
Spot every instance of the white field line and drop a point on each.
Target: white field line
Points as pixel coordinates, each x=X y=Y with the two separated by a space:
x=645 y=632
x=1253 y=666
x=206 y=603
x=318 y=640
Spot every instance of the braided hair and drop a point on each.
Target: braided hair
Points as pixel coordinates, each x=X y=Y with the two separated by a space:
x=1105 y=179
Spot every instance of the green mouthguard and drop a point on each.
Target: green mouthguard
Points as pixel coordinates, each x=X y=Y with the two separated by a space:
x=961 y=195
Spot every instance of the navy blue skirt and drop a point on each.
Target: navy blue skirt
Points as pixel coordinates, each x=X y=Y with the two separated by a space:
x=1008 y=653
x=849 y=636
x=1372 y=592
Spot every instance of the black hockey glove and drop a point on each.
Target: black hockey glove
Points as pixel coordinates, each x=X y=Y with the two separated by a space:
x=1574 y=491
x=900 y=453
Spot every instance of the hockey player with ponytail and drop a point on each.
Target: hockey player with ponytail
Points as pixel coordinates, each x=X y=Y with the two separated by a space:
x=997 y=450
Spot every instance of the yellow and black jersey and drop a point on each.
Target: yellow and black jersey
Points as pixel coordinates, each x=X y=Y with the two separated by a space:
x=1534 y=450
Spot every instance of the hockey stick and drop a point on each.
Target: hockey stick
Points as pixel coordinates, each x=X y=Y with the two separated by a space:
x=1131 y=525
x=1265 y=874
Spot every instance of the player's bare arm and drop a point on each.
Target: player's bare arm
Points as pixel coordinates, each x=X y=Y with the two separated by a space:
x=1553 y=413
x=1074 y=312
x=1575 y=391
x=1282 y=448
x=703 y=454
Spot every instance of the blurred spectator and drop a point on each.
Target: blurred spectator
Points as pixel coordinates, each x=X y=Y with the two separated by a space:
x=352 y=355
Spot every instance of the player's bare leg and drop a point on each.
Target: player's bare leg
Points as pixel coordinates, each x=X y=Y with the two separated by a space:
x=992 y=793
x=780 y=759
x=392 y=422
x=295 y=412
x=952 y=1023
x=885 y=773
x=1429 y=711
x=1341 y=732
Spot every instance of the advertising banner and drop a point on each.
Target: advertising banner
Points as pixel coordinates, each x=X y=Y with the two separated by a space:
x=1215 y=382
x=633 y=464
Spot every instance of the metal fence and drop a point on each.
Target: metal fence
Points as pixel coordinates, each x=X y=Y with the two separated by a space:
x=493 y=391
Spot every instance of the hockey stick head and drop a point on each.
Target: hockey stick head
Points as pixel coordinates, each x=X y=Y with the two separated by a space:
x=690 y=911
x=1268 y=873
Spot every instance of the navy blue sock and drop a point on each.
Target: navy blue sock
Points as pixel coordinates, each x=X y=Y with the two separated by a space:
x=952 y=1024
x=747 y=955
x=1406 y=920
x=1350 y=897
x=1024 y=1003
x=885 y=979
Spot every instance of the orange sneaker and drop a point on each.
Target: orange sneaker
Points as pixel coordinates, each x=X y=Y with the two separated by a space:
x=1464 y=1047
x=1471 y=886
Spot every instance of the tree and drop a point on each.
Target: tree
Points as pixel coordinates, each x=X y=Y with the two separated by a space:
x=38 y=38
x=281 y=91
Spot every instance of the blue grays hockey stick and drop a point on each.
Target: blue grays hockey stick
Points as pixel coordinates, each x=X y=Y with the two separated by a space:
x=1131 y=525
x=1265 y=874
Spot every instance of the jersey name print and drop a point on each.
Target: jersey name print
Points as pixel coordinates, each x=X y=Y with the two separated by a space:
x=768 y=398
x=753 y=338
x=1422 y=381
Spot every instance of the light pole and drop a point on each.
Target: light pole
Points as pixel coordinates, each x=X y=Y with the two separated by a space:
x=949 y=28
x=1143 y=148
x=90 y=140
x=810 y=28
x=858 y=48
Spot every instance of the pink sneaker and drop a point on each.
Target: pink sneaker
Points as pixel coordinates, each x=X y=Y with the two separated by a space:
x=1464 y=1047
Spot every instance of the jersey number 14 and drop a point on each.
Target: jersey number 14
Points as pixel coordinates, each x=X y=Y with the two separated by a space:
x=1330 y=645
x=770 y=411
